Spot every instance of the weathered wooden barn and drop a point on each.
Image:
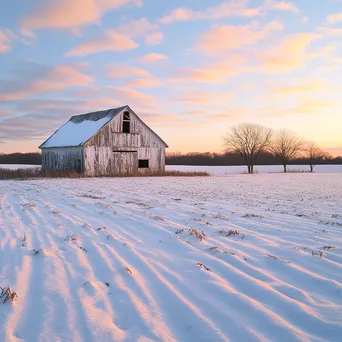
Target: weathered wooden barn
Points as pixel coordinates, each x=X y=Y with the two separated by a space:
x=111 y=142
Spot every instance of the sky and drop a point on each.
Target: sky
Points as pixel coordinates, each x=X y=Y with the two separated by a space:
x=190 y=69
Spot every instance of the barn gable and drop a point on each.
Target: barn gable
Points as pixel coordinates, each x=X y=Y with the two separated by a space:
x=82 y=128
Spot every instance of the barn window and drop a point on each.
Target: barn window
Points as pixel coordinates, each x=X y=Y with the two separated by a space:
x=143 y=163
x=126 y=124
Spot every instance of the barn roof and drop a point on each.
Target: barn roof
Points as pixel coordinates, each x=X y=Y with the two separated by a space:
x=80 y=128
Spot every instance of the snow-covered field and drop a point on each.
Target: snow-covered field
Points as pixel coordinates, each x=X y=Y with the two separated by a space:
x=221 y=170
x=17 y=166
x=229 y=258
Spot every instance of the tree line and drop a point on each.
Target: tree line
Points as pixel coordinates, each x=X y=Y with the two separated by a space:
x=250 y=144
x=232 y=159
x=33 y=158
x=251 y=140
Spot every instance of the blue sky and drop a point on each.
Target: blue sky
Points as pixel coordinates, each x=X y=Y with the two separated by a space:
x=190 y=69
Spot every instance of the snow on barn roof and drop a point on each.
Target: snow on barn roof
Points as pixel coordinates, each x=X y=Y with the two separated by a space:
x=80 y=128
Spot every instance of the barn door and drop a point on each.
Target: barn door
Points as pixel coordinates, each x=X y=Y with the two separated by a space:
x=125 y=163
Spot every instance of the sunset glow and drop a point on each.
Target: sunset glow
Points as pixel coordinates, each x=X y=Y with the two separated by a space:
x=190 y=69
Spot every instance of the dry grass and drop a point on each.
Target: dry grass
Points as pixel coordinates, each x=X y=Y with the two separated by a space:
x=199 y=264
x=197 y=233
x=8 y=294
x=20 y=173
x=36 y=173
x=230 y=232
x=185 y=174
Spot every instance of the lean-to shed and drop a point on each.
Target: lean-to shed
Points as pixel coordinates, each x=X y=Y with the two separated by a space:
x=111 y=142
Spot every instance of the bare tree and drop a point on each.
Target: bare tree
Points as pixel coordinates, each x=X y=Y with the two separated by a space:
x=286 y=146
x=314 y=154
x=248 y=140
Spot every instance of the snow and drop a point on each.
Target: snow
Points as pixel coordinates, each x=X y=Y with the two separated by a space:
x=17 y=166
x=219 y=170
x=118 y=259
x=75 y=134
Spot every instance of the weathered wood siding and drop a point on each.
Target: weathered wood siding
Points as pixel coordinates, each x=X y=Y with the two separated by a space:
x=63 y=158
x=101 y=156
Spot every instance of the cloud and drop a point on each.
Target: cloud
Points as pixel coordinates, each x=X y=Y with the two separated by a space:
x=72 y=106
x=42 y=116
x=36 y=79
x=136 y=28
x=153 y=57
x=108 y=40
x=5 y=112
x=287 y=56
x=198 y=76
x=236 y=8
x=160 y=119
x=331 y=32
x=196 y=97
x=299 y=87
x=285 y=6
x=70 y=14
x=154 y=38
x=304 y=106
x=305 y=20
x=134 y=98
x=224 y=38
x=334 y=18
x=123 y=71
x=217 y=72
x=6 y=37
x=142 y=83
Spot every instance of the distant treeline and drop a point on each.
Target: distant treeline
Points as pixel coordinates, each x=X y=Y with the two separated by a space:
x=34 y=158
x=201 y=159
x=218 y=159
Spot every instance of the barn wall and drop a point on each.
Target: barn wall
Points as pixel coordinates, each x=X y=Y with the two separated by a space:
x=63 y=158
x=156 y=157
x=101 y=156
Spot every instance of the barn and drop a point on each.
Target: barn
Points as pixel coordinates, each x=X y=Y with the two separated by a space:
x=113 y=142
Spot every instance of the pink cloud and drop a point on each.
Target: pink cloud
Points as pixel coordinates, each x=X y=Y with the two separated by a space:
x=287 y=56
x=304 y=106
x=103 y=102
x=153 y=57
x=217 y=72
x=214 y=75
x=47 y=80
x=196 y=97
x=124 y=71
x=137 y=28
x=229 y=37
x=108 y=40
x=225 y=9
x=285 y=6
x=5 y=112
x=135 y=98
x=154 y=38
x=70 y=14
x=299 y=87
x=334 y=18
x=142 y=83
x=332 y=32
x=6 y=37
